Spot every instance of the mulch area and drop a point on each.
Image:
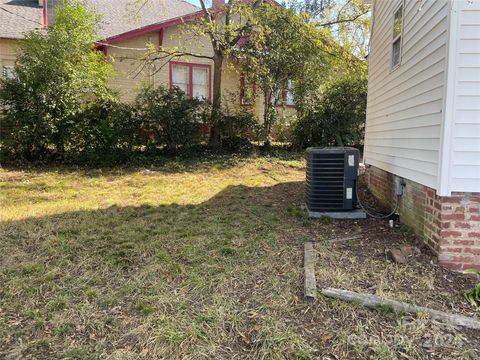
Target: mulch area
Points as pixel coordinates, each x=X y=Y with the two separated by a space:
x=362 y=265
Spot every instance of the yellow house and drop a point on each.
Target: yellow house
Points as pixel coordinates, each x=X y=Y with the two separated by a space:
x=126 y=34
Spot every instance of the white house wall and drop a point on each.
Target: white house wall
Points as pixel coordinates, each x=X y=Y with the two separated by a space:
x=462 y=117
x=404 y=110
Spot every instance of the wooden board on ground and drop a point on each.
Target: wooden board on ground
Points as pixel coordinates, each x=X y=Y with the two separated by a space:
x=373 y=301
x=309 y=265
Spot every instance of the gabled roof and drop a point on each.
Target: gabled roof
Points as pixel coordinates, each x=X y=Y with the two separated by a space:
x=165 y=23
x=118 y=16
x=19 y=16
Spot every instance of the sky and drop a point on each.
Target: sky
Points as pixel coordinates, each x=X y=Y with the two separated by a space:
x=194 y=2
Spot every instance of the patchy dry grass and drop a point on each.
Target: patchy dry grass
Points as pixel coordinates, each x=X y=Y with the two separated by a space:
x=185 y=261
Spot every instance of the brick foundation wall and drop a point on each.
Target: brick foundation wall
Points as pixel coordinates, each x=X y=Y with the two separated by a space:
x=449 y=225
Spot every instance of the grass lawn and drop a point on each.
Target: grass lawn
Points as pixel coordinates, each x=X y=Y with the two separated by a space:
x=197 y=261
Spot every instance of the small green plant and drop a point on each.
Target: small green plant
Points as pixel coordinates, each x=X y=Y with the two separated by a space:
x=297 y=212
x=62 y=330
x=385 y=309
x=324 y=219
x=143 y=308
x=473 y=295
x=407 y=231
x=227 y=251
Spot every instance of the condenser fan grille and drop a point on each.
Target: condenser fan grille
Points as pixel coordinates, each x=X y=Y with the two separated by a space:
x=331 y=178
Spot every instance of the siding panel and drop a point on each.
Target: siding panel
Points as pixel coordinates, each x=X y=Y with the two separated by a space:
x=464 y=171
x=404 y=108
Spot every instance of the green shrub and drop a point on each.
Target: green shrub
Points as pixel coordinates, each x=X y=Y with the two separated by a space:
x=282 y=131
x=339 y=118
x=56 y=74
x=105 y=132
x=238 y=130
x=169 y=118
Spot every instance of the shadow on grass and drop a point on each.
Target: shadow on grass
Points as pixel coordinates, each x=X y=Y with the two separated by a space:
x=76 y=267
x=126 y=235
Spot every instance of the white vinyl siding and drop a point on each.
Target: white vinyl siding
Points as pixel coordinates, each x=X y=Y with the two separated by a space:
x=462 y=137
x=404 y=109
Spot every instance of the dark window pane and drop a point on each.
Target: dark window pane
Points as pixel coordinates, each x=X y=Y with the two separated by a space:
x=396 y=52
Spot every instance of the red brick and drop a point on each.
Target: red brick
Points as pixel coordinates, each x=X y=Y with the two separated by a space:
x=463 y=242
x=397 y=256
x=462 y=225
x=471 y=266
x=475 y=198
x=460 y=258
x=452 y=265
x=449 y=233
x=452 y=250
x=453 y=217
x=469 y=250
x=452 y=199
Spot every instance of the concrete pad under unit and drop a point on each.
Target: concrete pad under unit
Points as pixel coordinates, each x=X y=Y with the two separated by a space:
x=352 y=214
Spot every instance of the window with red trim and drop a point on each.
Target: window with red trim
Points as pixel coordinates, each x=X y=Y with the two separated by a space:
x=193 y=79
x=247 y=93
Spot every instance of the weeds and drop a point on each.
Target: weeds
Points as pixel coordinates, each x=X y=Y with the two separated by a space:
x=473 y=295
x=407 y=231
x=324 y=219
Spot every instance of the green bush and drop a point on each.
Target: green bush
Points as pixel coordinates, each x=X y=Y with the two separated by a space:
x=170 y=119
x=339 y=118
x=56 y=74
x=282 y=129
x=105 y=132
x=238 y=130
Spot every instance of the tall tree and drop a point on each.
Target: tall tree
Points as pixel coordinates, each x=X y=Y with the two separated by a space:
x=347 y=20
x=309 y=31
x=224 y=25
x=279 y=51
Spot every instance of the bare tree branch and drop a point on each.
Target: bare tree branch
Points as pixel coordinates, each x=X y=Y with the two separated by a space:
x=180 y=54
x=343 y=20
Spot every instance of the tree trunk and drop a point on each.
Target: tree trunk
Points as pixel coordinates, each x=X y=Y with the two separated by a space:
x=216 y=116
x=266 y=120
